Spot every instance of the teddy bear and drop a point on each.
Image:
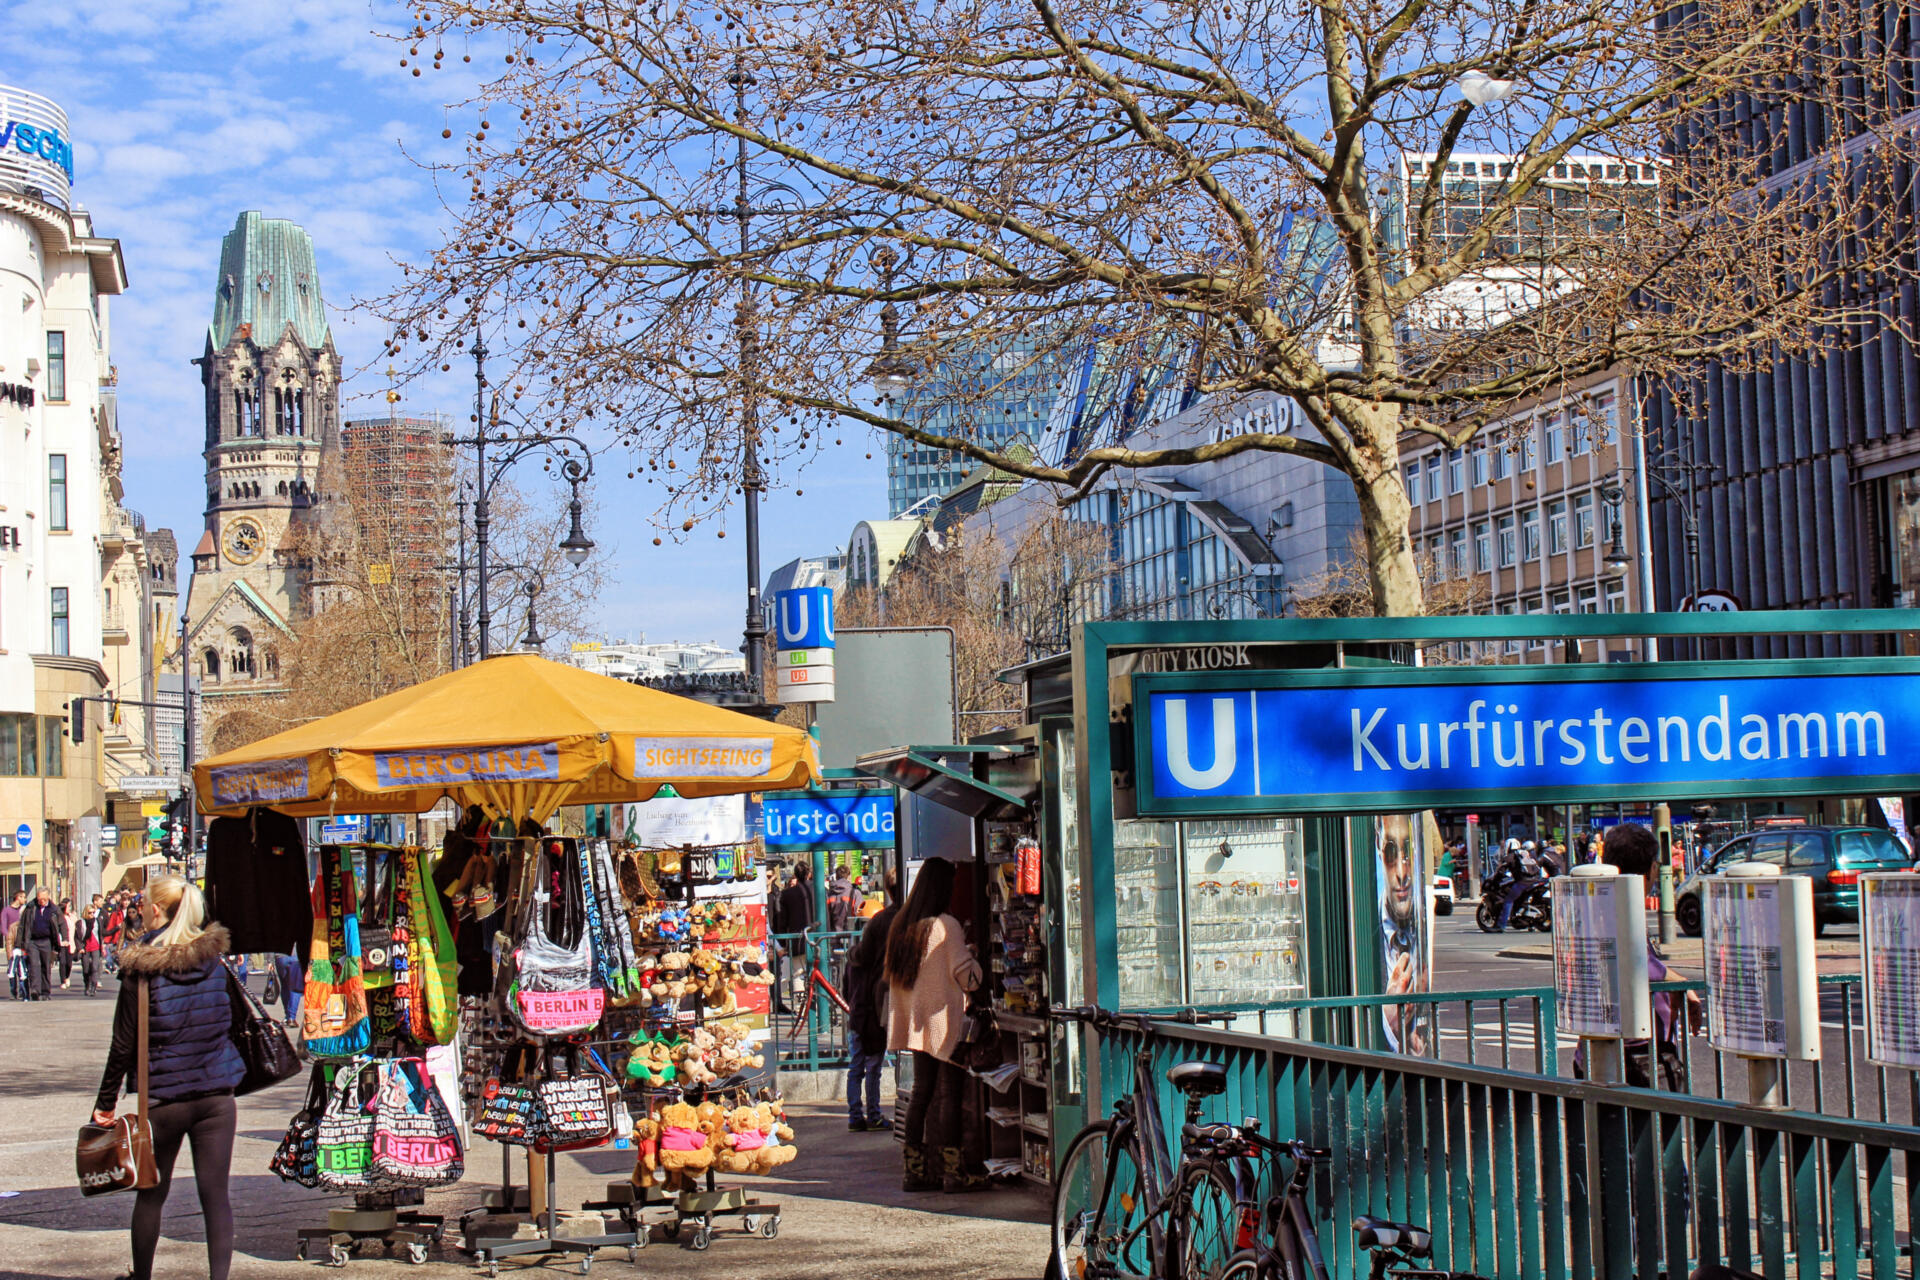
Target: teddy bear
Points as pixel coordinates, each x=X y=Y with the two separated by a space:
x=776 y=1139
x=652 y=1060
x=743 y=1142
x=683 y=1143
x=749 y=964
x=646 y=1152
x=732 y=1053
x=672 y=983
x=691 y=1057
x=713 y=1123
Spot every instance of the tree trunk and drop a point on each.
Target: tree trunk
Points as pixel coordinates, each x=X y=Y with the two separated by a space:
x=1392 y=568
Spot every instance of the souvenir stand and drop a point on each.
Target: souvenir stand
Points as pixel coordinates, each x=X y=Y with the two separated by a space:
x=517 y=736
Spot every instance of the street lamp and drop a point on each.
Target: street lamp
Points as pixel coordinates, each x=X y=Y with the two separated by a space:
x=534 y=640
x=1618 y=562
x=577 y=546
x=889 y=373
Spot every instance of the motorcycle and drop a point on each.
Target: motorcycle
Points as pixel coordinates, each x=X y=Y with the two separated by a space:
x=1533 y=909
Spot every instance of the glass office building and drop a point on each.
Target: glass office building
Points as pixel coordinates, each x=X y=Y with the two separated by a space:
x=993 y=396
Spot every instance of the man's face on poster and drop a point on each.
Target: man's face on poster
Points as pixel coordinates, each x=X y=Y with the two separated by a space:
x=1396 y=856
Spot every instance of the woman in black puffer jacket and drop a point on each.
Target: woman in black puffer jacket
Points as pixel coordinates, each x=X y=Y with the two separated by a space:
x=193 y=1064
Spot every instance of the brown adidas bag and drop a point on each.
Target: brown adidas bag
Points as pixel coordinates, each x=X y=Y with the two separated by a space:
x=119 y=1156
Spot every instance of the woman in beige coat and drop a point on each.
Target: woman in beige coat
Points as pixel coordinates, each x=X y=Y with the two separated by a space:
x=930 y=970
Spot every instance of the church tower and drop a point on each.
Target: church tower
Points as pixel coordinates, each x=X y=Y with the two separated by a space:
x=272 y=382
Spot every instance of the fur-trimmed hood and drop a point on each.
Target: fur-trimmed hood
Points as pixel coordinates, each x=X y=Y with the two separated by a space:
x=148 y=958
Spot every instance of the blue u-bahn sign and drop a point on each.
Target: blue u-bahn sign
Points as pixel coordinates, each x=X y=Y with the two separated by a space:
x=1416 y=738
x=825 y=820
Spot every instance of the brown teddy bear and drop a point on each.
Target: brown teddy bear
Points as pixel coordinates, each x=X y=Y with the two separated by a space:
x=744 y=1140
x=776 y=1139
x=672 y=983
x=683 y=1143
x=646 y=1153
x=691 y=1055
x=713 y=1123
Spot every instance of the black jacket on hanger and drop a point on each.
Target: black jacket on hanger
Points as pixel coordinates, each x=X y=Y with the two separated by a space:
x=257 y=883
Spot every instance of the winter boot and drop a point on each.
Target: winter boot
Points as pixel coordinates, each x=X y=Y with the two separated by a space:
x=917 y=1177
x=954 y=1176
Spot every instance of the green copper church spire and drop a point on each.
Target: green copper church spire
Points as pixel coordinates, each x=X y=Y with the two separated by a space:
x=268 y=280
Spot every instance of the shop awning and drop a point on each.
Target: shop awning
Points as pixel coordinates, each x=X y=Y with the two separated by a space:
x=922 y=771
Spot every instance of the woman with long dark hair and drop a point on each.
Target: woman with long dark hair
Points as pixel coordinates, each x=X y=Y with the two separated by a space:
x=193 y=1064
x=930 y=970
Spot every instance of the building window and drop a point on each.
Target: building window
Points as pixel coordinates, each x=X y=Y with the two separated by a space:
x=1530 y=534
x=1508 y=609
x=1529 y=448
x=1436 y=557
x=1561 y=602
x=1433 y=476
x=56 y=365
x=1557 y=528
x=1583 y=521
x=1617 y=596
x=210 y=664
x=53 y=742
x=1609 y=414
x=1483 y=547
x=1413 y=484
x=19 y=746
x=57 y=491
x=1457 y=553
x=1535 y=607
x=1580 y=437
x=1556 y=438
x=1479 y=464
x=1456 y=471
x=1502 y=461
x=60 y=642
x=1589 y=598
x=1509 y=544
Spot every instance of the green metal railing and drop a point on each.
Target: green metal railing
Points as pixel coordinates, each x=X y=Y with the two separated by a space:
x=1523 y=1175
x=819 y=1041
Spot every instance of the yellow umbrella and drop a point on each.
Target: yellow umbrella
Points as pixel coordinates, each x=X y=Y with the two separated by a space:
x=517 y=734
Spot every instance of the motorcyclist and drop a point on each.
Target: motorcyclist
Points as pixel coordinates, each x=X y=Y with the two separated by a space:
x=1520 y=869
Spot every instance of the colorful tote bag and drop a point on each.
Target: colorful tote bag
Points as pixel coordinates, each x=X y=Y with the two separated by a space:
x=296 y=1159
x=614 y=958
x=334 y=1015
x=415 y=1143
x=557 y=991
x=343 y=1146
x=509 y=1108
x=430 y=953
x=576 y=1106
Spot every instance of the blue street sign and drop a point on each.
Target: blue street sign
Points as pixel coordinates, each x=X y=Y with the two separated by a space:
x=852 y=820
x=803 y=618
x=23 y=835
x=1295 y=742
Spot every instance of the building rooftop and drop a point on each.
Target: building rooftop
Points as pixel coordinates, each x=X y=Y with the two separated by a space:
x=268 y=280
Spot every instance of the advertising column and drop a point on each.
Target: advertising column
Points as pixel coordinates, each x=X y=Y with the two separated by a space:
x=1762 y=999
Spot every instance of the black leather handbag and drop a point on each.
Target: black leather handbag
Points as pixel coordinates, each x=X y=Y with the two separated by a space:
x=262 y=1042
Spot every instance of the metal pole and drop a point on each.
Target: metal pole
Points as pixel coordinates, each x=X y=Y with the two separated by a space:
x=466 y=620
x=186 y=745
x=751 y=481
x=480 y=517
x=1663 y=832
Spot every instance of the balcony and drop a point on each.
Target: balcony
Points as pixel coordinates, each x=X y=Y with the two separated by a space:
x=113 y=627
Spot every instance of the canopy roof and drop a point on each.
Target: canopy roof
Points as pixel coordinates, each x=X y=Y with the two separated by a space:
x=518 y=735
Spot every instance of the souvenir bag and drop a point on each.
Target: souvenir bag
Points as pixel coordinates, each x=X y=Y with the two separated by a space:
x=343 y=1145
x=430 y=954
x=334 y=1019
x=575 y=1108
x=557 y=992
x=262 y=1042
x=614 y=957
x=296 y=1159
x=415 y=1143
x=407 y=1017
x=509 y=1109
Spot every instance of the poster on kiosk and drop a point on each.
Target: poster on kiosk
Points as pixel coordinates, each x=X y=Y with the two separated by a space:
x=1890 y=964
x=1762 y=998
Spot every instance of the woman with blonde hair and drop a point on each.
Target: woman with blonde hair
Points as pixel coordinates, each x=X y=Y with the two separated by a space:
x=193 y=1064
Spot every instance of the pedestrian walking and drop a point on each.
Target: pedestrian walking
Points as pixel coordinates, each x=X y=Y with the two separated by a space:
x=930 y=971
x=293 y=984
x=66 y=943
x=839 y=900
x=797 y=919
x=10 y=939
x=40 y=927
x=86 y=942
x=193 y=1064
x=116 y=923
x=867 y=1018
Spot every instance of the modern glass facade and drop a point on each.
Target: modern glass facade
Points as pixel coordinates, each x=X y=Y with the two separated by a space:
x=994 y=397
x=1172 y=559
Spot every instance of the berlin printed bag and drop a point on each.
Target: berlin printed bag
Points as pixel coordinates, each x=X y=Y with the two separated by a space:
x=574 y=1105
x=343 y=1147
x=297 y=1159
x=558 y=992
x=334 y=1015
x=415 y=1143
x=509 y=1109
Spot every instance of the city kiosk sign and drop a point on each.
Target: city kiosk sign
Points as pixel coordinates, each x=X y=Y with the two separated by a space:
x=1368 y=739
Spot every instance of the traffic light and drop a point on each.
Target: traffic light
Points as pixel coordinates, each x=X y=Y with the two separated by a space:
x=77 y=720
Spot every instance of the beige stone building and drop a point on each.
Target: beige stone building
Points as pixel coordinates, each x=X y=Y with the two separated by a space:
x=1527 y=516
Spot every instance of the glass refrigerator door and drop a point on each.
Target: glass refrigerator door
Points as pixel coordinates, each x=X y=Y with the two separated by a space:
x=1146 y=888
x=1246 y=912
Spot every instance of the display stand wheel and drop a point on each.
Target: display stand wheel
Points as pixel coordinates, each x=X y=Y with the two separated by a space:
x=672 y=1227
x=416 y=1253
x=338 y=1254
x=586 y=1262
x=771 y=1227
x=633 y=1254
x=702 y=1237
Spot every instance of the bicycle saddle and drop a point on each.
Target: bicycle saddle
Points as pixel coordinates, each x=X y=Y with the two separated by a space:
x=1198 y=1079
x=1379 y=1233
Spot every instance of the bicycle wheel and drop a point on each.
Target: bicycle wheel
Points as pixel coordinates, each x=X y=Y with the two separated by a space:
x=1100 y=1224
x=1244 y=1265
x=1215 y=1226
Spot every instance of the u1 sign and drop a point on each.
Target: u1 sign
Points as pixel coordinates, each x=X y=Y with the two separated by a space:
x=1419 y=738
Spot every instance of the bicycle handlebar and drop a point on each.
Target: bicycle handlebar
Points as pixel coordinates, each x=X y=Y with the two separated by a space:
x=1097 y=1017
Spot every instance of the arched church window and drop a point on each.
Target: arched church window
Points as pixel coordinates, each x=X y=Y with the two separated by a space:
x=210 y=664
x=272 y=661
x=240 y=658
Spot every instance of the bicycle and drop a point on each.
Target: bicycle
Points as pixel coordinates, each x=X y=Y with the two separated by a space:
x=1115 y=1212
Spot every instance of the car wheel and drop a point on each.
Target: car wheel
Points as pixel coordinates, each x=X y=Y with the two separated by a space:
x=1819 y=925
x=1444 y=907
x=1686 y=914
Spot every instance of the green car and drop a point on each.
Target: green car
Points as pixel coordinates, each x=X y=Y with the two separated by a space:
x=1832 y=857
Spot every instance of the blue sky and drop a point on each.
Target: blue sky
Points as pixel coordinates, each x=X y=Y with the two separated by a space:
x=185 y=114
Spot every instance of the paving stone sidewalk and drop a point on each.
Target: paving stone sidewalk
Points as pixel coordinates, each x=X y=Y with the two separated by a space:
x=843 y=1215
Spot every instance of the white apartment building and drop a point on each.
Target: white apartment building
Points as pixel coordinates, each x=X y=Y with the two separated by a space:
x=638 y=660
x=56 y=279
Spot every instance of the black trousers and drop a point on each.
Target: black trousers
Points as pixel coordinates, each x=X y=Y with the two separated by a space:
x=90 y=970
x=933 y=1109
x=40 y=954
x=208 y=1124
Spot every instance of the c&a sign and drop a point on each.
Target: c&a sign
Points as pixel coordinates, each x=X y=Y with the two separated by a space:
x=1418 y=738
